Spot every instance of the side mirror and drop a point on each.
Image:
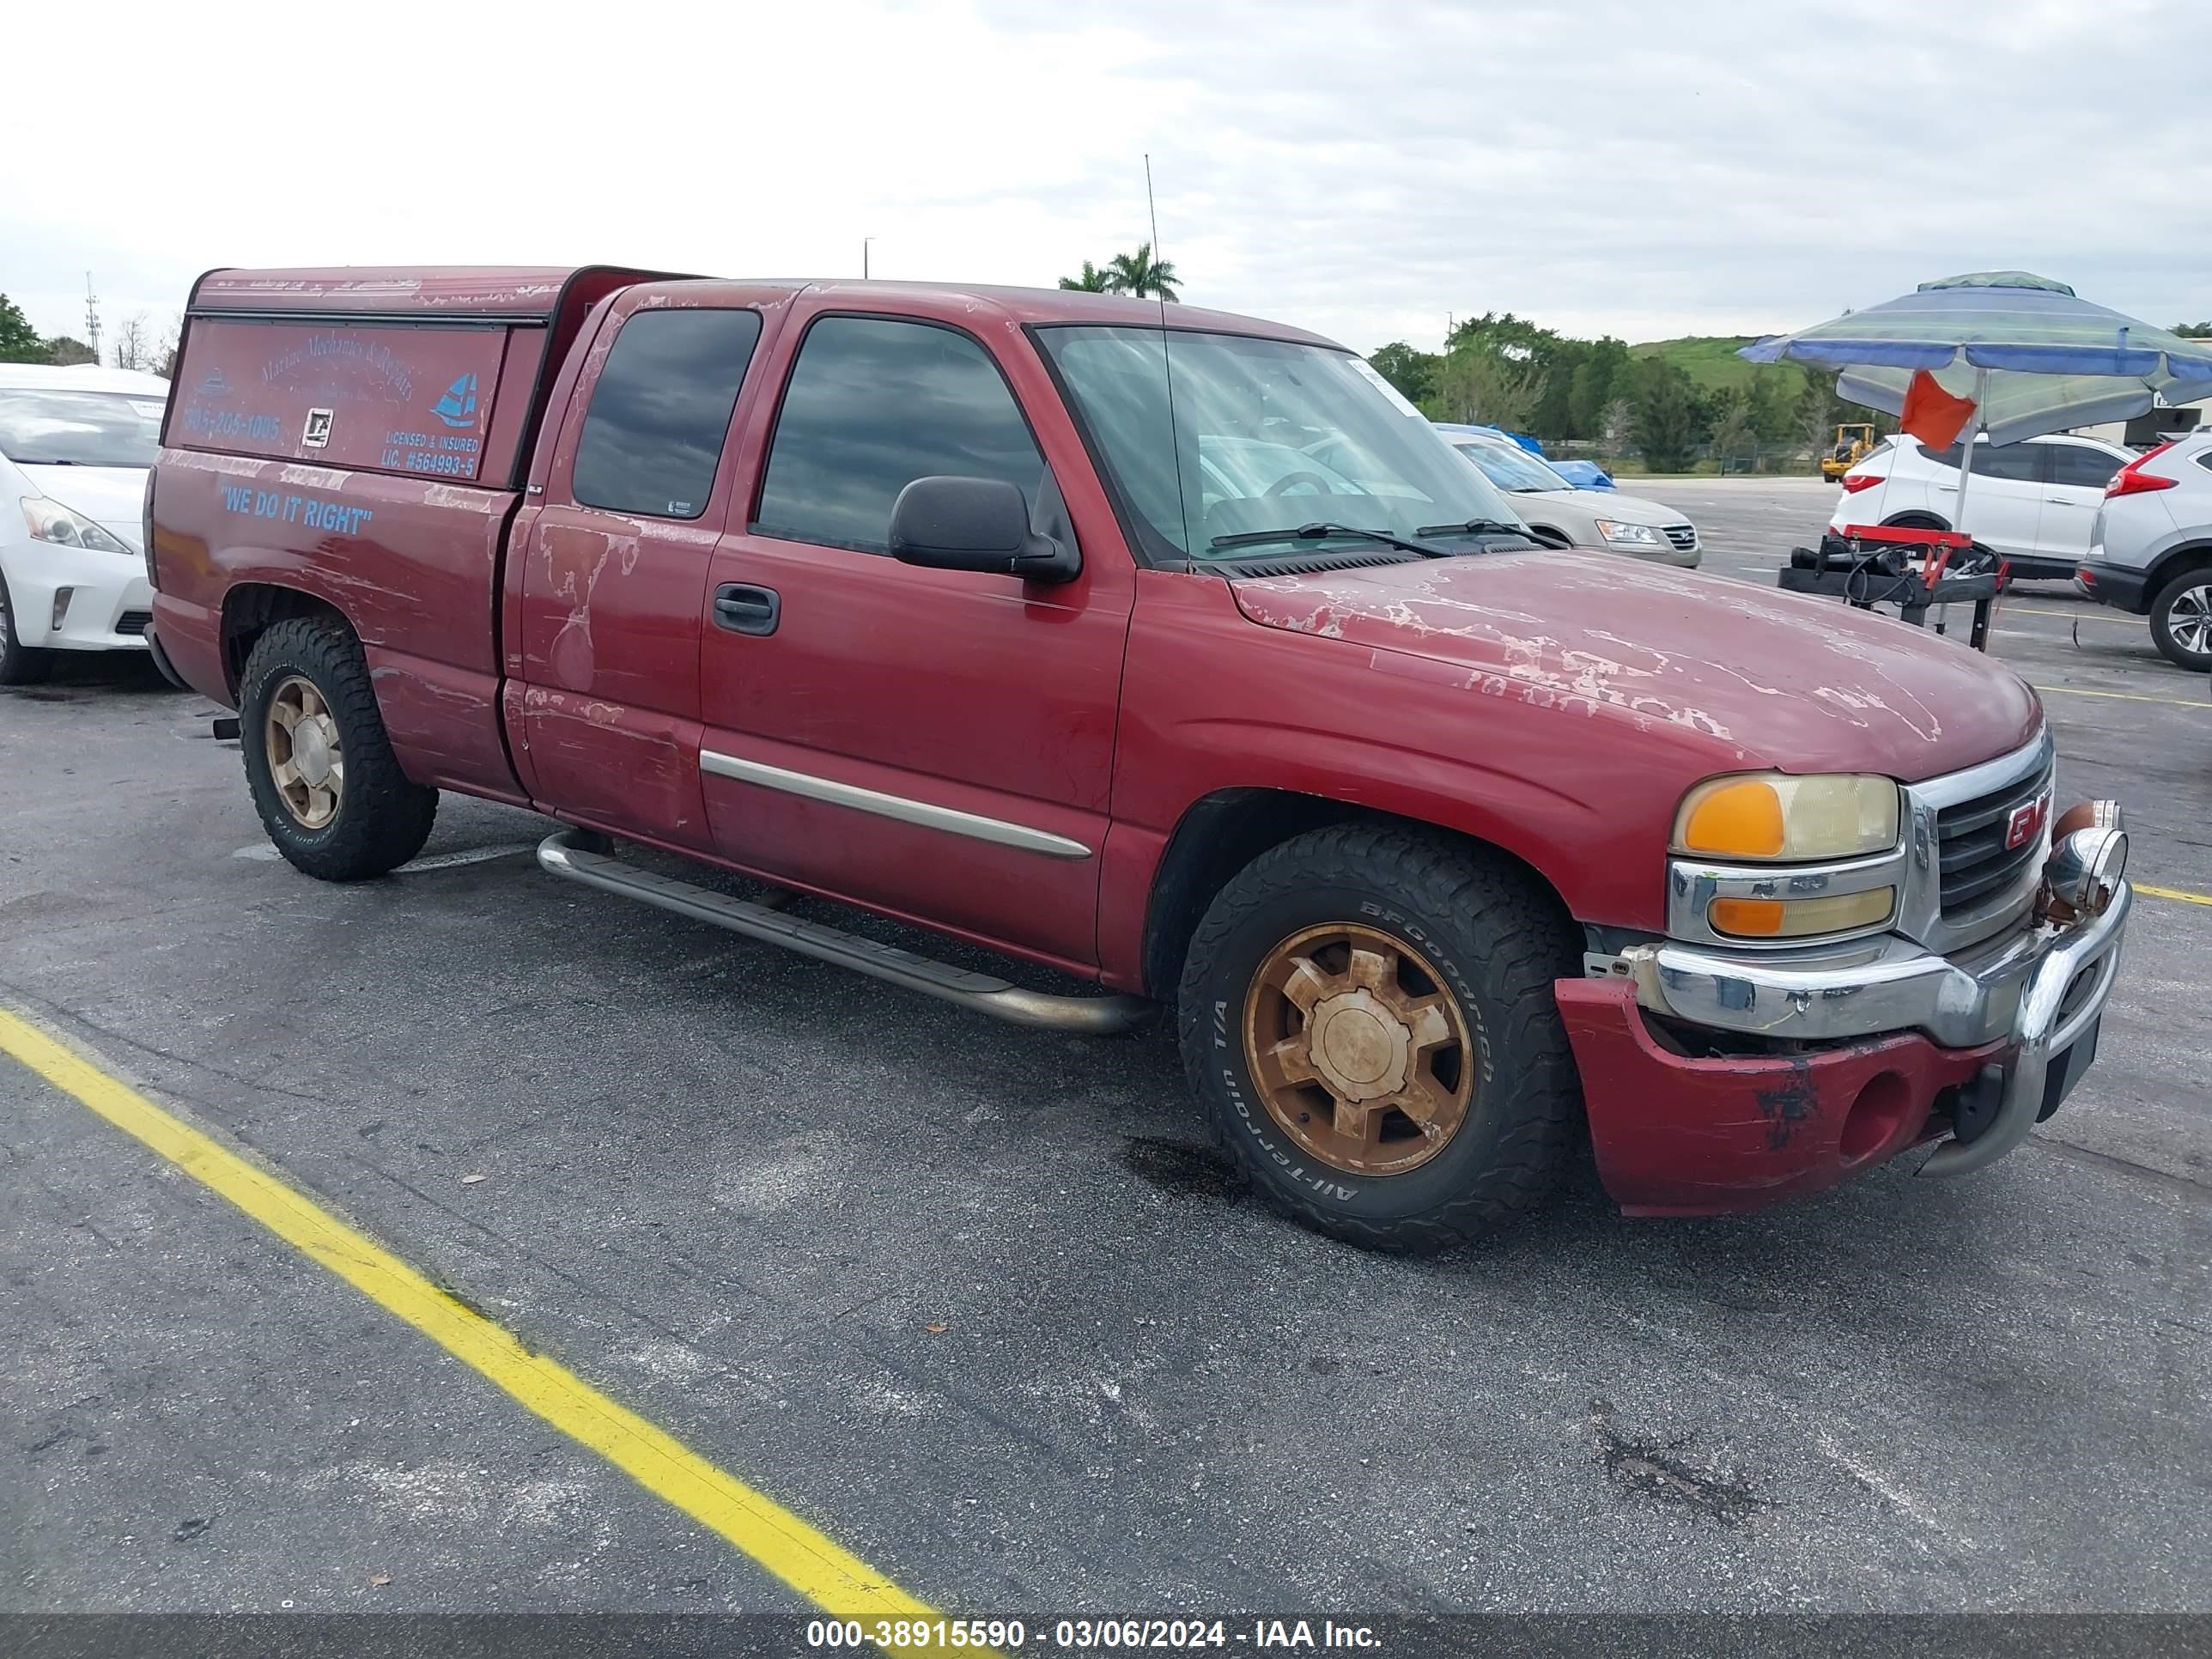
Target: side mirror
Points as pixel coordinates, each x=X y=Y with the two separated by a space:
x=975 y=523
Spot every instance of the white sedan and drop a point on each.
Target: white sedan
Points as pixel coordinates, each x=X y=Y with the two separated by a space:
x=1559 y=512
x=76 y=445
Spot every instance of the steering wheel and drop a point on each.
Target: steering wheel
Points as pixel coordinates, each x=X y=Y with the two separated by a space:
x=1282 y=485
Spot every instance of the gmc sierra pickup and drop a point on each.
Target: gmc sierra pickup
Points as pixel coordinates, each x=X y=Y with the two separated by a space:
x=1031 y=619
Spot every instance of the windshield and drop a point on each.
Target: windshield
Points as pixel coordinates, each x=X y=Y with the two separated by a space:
x=44 y=428
x=1264 y=435
x=1511 y=467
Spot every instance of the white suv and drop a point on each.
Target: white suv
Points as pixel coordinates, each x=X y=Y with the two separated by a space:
x=2034 y=501
x=2151 y=551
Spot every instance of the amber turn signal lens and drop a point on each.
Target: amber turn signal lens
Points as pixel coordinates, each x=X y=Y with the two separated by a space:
x=1747 y=918
x=1756 y=918
x=1742 y=819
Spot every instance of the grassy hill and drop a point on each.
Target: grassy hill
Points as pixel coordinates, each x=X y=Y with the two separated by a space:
x=1708 y=359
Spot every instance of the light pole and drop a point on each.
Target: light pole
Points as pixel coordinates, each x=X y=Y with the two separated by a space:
x=865 y=241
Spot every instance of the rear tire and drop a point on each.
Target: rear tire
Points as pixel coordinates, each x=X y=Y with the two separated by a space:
x=20 y=664
x=329 y=789
x=2181 y=620
x=1454 y=1002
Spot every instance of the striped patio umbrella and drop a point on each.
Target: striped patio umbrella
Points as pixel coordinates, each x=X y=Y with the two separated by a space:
x=2032 y=354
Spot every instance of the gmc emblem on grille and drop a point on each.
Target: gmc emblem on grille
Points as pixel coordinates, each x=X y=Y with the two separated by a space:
x=2027 y=822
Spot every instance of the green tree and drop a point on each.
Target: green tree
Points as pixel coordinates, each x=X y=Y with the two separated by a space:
x=1092 y=281
x=1476 y=385
x=19 y=341
x=1141 y=275
x=2195 y=330
x=1735 y=434
x=1772 y=405
x=1414 y=373
x=1668 y=418
x=1600 y=378
x=62 y=351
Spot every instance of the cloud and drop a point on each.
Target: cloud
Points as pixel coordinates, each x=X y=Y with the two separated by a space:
x=1359 y=169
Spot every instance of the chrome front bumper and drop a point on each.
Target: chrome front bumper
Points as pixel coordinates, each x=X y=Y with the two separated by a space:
x=2038 y=991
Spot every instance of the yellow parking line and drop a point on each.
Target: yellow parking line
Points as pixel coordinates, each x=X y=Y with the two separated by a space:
x=838 y=1583
x=2071 y=616
x=2181 y=893
x=2126 y=696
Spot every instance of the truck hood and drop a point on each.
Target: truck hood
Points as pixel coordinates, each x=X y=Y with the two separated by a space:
x=1608 y=504
x=1751 y=676
x=113 y=497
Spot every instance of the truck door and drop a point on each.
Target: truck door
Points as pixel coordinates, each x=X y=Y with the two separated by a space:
x=606 y=697
x=932 y=743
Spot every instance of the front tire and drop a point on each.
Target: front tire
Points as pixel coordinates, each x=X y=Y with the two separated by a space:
x=20 y=664
x=329 y=789
x=2181 y=621
x=1367 y=1012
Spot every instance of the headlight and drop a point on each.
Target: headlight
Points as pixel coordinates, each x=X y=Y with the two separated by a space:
x=1766 y=815
x=49 y=522
x=1629 y=535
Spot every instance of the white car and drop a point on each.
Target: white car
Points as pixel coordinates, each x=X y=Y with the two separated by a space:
x=1566 y=516
x=2151 y=551
x=76 y=446
x=2034 y=501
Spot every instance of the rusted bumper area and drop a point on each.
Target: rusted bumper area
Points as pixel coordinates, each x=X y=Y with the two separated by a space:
x=1680 y=1136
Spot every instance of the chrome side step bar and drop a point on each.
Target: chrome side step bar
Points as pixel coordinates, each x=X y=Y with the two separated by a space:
x=571 y=853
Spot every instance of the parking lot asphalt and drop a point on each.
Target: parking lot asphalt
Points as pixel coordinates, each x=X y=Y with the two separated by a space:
x=973 y=1301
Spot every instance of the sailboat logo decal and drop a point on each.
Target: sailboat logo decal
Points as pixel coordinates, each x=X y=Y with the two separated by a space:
x=458 y=406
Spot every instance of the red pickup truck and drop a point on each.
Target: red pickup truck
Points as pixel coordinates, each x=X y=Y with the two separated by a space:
x=1171 y=650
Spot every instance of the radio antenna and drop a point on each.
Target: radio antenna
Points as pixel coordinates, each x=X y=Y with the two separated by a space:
x=1167 y=361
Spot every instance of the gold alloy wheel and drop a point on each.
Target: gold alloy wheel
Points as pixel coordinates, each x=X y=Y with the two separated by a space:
x=305 y=755
x=1360 y=1054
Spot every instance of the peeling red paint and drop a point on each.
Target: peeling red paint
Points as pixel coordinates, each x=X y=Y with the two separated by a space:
x=1779 y=679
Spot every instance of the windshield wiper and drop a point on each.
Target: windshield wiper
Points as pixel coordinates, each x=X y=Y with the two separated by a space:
x=1475 y=527
x=1315 y=532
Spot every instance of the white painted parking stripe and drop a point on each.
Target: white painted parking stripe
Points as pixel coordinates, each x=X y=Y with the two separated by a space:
x=261 y=852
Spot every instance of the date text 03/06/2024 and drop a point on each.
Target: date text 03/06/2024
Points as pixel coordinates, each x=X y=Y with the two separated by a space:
x=1088 y=1634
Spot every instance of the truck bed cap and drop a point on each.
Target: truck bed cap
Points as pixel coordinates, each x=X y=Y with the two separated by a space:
x=505 y=291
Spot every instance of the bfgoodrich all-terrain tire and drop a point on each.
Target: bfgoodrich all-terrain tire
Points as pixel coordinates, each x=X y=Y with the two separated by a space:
x=325 y=780
x=2181 y=620
x=1367 y=1012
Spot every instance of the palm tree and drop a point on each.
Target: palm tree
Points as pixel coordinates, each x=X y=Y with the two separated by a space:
x=1140 y=274
x=1093 y=281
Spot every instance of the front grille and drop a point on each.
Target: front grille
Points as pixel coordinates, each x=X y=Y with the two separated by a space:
x=134 y=622
x=1974 y=860
x=1684 y=535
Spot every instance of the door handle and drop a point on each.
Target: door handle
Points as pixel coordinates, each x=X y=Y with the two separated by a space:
x=746 y=609
x=2058 y=500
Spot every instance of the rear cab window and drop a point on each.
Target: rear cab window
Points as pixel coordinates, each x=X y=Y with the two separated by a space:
x=653 y=430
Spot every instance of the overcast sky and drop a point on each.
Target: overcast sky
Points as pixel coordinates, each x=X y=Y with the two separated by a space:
x=1365 y=170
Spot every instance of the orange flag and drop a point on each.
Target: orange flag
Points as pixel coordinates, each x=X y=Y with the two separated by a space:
x=1931 y=414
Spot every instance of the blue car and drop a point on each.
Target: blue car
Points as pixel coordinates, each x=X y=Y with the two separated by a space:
x=1584 y=475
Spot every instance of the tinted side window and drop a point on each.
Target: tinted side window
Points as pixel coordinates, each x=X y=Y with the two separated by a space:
x=2205 y=460
x=2085 y=468
x=871 y=406
x=660 y=410
x=2019 y=462
x=1940 y=457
